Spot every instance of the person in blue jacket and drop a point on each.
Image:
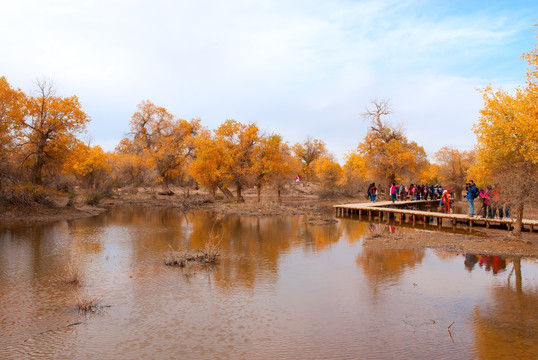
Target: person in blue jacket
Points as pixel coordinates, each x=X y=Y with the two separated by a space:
x=472 y=193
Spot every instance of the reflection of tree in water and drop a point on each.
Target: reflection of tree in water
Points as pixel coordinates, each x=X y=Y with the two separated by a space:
x=507 y=328
x=353 y=230
x=319 y=237
x=251 y=244
x=387 y=265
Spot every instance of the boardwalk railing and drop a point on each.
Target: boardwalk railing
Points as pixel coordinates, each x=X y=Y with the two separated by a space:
x=401 y=208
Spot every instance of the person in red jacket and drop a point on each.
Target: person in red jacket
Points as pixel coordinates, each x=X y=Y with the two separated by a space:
x=446 y=200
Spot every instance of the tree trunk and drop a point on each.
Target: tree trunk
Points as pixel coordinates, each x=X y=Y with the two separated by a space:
x=259 y=192
x=519 y=219
x=213 y=192
x=227 y=193
x=240 y=198
x=278 y=194
x=37 y=170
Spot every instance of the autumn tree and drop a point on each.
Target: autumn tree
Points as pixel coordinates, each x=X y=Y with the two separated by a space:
x=354 y=173
x=238 y=141
x=390 y=156
x=147 y=125
x=273 y=164
x=209 y=162
x=12 y=105
x=160 y=141
x=328 y=172
x=225 y=158
x=453 y=167
x=89 y=164
x=507 y=141
x=128 y=169
x=173 y=147
x=308 y=152
x=50 y=126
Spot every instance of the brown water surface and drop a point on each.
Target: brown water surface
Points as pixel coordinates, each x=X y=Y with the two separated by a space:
x=283 y=289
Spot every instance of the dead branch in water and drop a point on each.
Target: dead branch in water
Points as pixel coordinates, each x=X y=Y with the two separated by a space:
x=52 y=330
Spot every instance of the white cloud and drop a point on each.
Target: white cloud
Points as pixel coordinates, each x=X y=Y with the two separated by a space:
x=300 y=68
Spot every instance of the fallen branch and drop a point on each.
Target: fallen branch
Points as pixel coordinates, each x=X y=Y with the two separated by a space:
x=52 y=330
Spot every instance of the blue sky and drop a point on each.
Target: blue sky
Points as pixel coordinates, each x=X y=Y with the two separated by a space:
x=298 y=68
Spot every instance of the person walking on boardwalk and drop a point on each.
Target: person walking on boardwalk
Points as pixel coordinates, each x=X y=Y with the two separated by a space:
x=472 y=193
x=486 y=202
x=393 y=192
x=446 y=201
x=373 y=192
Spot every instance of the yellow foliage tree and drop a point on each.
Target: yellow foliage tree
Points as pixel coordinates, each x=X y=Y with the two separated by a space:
x=208 y=164
x=50 y=125
x=507 y=141
x=173 y=147
x=308 y=152
x=147 y=125
x=88 y=163
x=388 y=153
x=354 y=172
x=161 y=142
x=273 y=164
x=238 y=141
x=12 y=105
x=453 y=168
x=329 y=173
x=129 y=169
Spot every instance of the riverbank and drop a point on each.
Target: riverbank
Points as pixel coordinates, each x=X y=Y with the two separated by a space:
x=297 y=201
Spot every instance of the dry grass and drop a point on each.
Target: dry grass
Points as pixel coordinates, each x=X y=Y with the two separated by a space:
x=378 y=230
x=209 y=255
x=72 y=275
x=87 y=303
x=183 y=258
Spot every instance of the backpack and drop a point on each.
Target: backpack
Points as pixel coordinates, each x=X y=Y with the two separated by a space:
x=474 y=192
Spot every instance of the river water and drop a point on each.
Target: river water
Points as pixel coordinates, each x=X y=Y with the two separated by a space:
x=282 y=289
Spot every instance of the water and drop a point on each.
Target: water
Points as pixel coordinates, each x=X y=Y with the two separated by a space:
x=283 y=289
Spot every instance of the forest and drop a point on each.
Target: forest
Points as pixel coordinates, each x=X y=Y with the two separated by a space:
x=41 y=151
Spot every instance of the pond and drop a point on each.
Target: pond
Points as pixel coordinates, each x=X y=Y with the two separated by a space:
x=282 y=289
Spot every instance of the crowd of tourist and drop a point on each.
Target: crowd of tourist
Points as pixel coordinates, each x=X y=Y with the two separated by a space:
x=490 y=204
x=411 y=192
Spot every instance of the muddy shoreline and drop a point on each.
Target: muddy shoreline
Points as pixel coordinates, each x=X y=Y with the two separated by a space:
x=317 y=212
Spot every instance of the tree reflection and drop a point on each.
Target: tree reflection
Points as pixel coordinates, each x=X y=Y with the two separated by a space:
x=353 y=230
x=508 y=326
x=319 y=237
x=252 y=244
x=381 y=266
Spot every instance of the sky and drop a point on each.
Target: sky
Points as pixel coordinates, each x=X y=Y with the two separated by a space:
x=297 y=68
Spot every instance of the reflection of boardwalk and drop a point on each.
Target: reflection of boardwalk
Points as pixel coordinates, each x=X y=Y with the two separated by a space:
x=401 y=209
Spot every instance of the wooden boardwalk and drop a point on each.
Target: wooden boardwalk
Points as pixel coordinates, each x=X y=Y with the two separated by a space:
x=400 y=209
